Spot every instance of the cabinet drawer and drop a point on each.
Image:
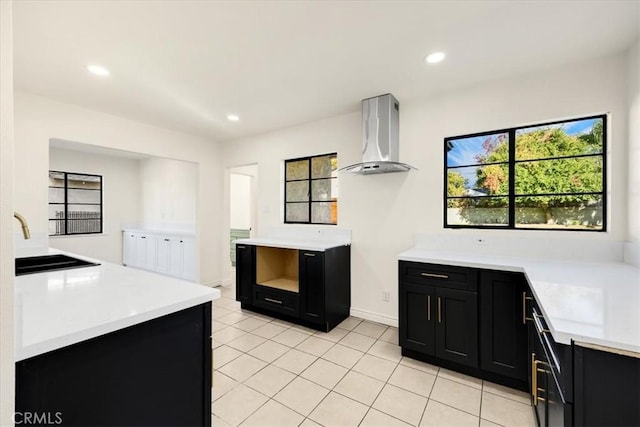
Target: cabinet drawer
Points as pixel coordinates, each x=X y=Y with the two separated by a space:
x=277 y=300
x=462 y=278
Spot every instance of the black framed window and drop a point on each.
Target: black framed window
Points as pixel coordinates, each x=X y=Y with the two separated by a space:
x=75 y=203
x=311 y=190
x=549 y=176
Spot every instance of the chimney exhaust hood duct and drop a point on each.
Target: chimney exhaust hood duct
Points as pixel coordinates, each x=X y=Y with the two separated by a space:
x=380 y=137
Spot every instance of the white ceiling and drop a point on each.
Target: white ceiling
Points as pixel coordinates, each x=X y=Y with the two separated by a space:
x=185 y=65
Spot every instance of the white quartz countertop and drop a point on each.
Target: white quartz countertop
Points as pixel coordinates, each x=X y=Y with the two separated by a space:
x=289 y=243
x=58 y=308
x=166 y=232
x=589 y=302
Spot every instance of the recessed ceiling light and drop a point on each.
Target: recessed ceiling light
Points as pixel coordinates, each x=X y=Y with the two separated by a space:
x=233 y=118
x=435 y=57
x=98 y=70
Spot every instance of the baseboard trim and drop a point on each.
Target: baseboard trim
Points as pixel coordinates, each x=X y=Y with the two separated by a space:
x=374 y=317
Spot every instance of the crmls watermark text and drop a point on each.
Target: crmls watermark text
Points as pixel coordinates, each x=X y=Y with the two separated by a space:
x=40 y=418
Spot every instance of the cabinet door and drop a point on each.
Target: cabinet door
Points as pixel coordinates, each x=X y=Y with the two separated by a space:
x=539 y=378
x=164 y=249
x=457 y=326
x=417 y=318
x=129 y=248
x=555 y=405
x=245 y=272
x=189 y=259
x=151 y=247
x=607 y=388
x=141 y=250
x=311 y=276
x=503 y=326
x=176 y=256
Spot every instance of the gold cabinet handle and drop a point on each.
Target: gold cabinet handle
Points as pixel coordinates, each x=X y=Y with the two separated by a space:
x=308 y=254
x=437 y=276
x=541 y=399
x=277 y=301
x=534 y=379
x=537 y=398
x=428 y=307
x=439 y=310
x=524 y=308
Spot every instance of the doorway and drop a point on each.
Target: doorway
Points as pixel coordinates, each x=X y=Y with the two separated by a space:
x=242 y=205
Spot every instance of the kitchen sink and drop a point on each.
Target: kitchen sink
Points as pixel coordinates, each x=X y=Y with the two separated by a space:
x=38 y=264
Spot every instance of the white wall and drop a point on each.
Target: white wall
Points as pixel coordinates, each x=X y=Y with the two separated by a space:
x=120 y=200
x=39 y=119
x=634 y=153
x=384 y=211
x=7 y=368
x=169 y=193
x=240 y=201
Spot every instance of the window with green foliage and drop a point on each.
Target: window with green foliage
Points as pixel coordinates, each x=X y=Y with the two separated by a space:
x=546 y=176
x=75 y=203
x=311 y=190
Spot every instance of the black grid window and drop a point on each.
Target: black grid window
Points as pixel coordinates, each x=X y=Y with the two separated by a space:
x=311 y=190
x=550 y=176
x=75 y=203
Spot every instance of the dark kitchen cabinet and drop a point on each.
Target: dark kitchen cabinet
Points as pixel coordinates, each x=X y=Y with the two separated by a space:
x=457 y=326
x=550 y=372
x=438 y=312
x=488 y=324
x=558 y=411
x=539 y=382
x=312 y=299
x=312 y=288
x=418 y=318
x=606 y=388
x=503 y=324
x=549 y=403
x=465 y=319
x=156 y=373
x=245 y=272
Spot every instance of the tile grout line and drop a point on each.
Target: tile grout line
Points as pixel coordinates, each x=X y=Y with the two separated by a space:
x=369 y=407
x=293 y=379
x=320 y=357
x=366 y=352
x=299 y=375
x=481 y=395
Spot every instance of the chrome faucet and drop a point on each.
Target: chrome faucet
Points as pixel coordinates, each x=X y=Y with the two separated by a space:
x=23 y=223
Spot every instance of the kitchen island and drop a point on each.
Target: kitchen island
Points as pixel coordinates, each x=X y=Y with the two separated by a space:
x=110 y=345
x=304 y=278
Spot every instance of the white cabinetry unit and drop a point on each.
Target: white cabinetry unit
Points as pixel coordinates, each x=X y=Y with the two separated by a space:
x=164 y=248
x=170 y=254
x=129 y=249
x=189 y=255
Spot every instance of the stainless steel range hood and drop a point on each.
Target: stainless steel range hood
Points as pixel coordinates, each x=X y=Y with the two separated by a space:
x=380 y=137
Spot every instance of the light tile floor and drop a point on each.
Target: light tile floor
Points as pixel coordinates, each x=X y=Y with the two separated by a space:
x=271 y=373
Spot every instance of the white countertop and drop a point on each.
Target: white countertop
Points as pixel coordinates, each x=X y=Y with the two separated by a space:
x=58 y=308
x=590 y=302
x=290 y=243
x=166 y=232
